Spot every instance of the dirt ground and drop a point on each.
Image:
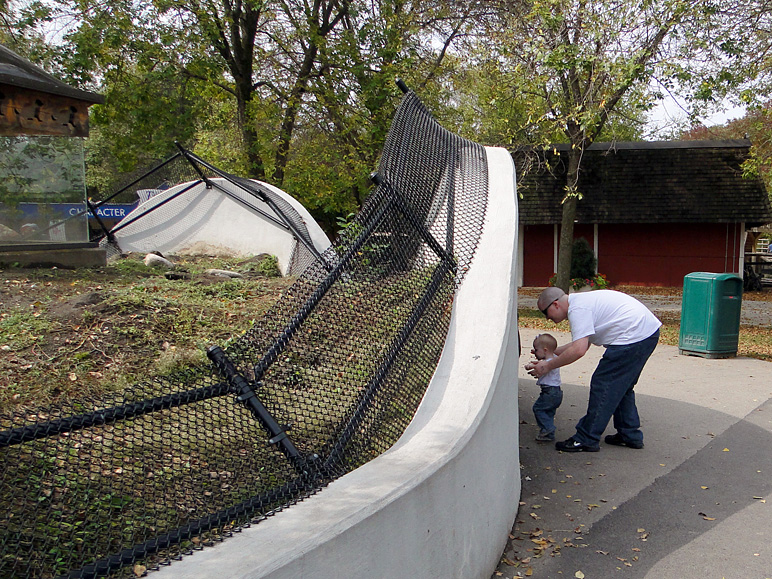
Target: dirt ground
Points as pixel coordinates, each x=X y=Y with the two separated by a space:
x=81 y=332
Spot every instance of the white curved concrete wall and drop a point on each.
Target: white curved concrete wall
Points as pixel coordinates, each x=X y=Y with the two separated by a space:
x=207 y=221
x=441 y=502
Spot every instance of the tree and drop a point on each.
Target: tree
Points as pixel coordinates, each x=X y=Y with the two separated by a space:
x=349 y=107
x=259 y=53
x=353 y=103
x=584 y=61
x=19 y=25
x=307 y=85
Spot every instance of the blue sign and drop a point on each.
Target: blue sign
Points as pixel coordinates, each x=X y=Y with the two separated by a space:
x=115 y=211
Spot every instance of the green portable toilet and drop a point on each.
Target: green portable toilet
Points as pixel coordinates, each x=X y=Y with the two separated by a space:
x=710 y=315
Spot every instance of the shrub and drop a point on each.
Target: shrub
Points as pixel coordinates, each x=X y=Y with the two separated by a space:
x=583 y=261
x=583 y=264
x=599 y=281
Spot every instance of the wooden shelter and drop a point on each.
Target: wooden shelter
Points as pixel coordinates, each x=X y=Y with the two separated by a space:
x=35 y=105
x=32 y=102
x=652 y=211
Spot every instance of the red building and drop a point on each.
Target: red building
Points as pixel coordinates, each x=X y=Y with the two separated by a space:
x=652 y=211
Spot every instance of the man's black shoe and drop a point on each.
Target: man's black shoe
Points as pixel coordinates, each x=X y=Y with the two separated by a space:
x=572 y=445
x=617 y=440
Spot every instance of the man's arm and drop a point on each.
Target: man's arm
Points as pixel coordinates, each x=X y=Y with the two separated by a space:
x=566 y=354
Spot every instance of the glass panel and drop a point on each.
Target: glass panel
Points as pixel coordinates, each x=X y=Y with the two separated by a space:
x=42 y=190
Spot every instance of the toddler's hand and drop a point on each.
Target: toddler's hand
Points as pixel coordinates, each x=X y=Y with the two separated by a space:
x=536 y=368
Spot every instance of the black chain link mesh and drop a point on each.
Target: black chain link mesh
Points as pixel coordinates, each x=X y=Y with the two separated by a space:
x=328 y=380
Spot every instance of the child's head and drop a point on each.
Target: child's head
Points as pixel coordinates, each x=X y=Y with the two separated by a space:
x=544 y=345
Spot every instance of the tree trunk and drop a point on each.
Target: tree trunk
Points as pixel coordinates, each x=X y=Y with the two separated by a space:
x=567 y=223
x=249 y=137
x=291 y=112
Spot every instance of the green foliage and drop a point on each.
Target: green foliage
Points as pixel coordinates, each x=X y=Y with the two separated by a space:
x=278 y=92
x=598 y=281
x=300 y=102
x=583 y=266
x=145 y=113
x=217 y=138
x=582 y=65
x=344 y=223
x=371 y=253
x=267 y=266
x=327 y=177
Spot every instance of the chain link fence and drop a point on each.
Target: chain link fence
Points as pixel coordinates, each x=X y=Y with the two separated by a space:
x=328 y=380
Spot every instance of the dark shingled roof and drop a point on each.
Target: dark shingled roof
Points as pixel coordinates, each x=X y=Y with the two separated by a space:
x=647 y=182
x=19 y=72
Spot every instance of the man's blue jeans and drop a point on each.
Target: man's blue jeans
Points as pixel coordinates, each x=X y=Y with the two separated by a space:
x=611 y=393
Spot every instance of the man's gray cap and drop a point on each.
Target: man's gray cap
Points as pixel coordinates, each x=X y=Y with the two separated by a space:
x=548 y=296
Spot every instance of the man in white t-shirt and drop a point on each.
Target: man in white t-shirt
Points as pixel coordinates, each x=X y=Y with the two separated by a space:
x=629 y=332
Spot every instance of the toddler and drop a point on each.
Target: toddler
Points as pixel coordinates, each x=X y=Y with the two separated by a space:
x=551 y=396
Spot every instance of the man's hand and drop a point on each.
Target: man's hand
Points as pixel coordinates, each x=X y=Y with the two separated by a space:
x=537 y=368
x=566 y=354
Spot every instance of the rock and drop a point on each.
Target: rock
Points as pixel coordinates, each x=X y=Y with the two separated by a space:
x=155 y=260
x=223 y=273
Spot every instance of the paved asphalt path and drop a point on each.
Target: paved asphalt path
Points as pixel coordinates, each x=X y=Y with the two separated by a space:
x=696 y=502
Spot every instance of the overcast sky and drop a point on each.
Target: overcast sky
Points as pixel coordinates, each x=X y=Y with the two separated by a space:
x=667 y=115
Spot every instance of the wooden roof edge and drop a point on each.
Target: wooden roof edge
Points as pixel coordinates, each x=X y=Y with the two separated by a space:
x=640 y=145
x=17 y=71
x=754 y=221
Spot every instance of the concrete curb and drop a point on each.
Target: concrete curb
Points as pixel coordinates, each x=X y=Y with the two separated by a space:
x=441 y=502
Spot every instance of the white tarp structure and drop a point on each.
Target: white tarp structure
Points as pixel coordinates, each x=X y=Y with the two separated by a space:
x=223 y=219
